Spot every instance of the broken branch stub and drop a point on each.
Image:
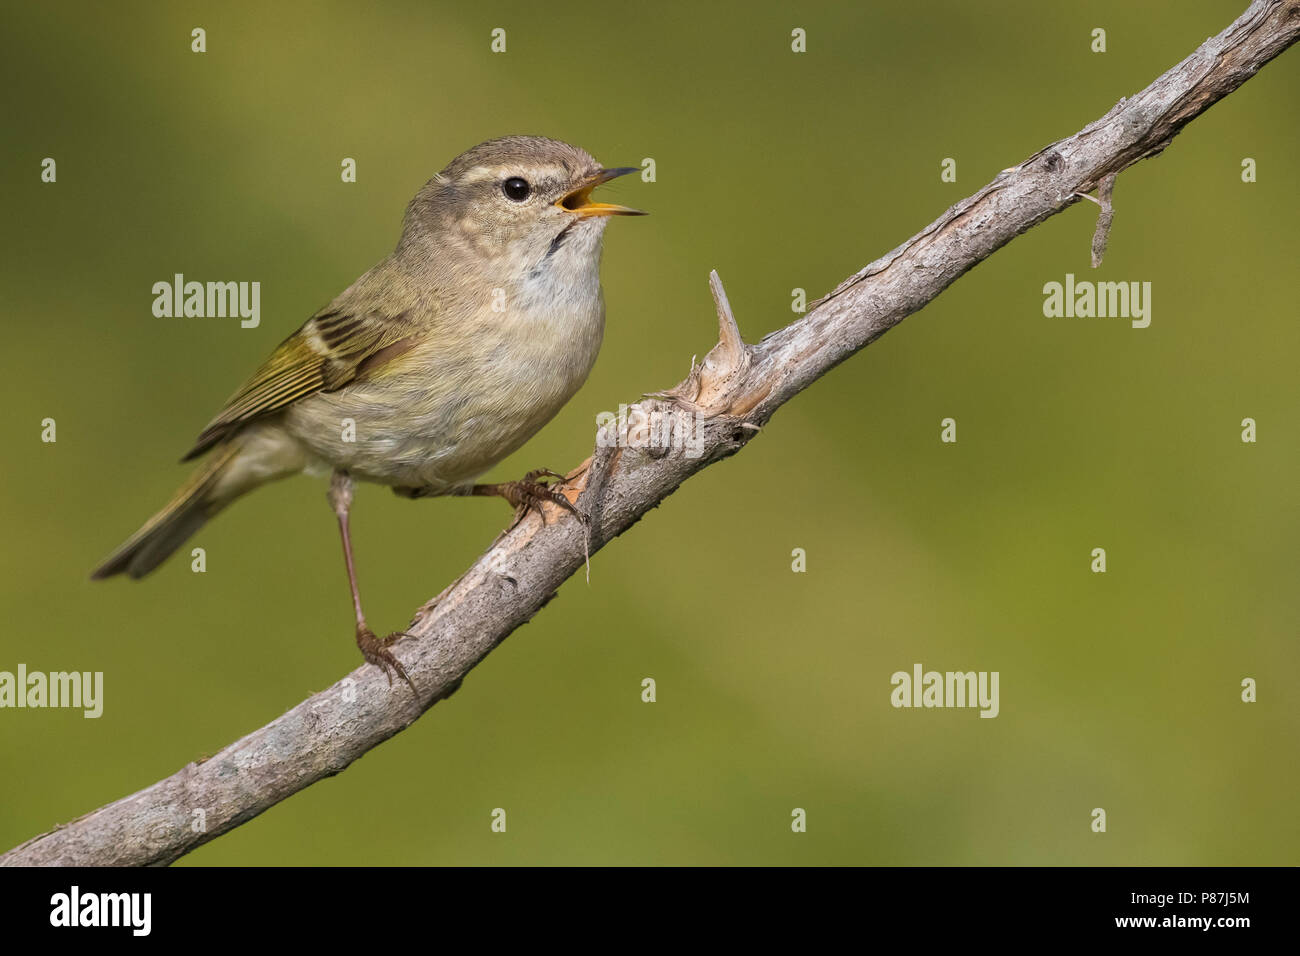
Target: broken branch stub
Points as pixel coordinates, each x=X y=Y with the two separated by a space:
x=720 y=384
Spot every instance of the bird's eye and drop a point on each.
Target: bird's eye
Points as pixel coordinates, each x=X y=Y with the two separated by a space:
x=516 y=189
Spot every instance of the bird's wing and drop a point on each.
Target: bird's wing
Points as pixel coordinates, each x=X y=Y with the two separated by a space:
x=328 y=352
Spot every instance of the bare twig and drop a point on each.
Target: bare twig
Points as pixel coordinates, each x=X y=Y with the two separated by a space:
x=1105 y=194
x=735 y=390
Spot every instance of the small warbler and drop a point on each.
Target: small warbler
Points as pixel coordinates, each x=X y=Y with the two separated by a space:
x=429 y=369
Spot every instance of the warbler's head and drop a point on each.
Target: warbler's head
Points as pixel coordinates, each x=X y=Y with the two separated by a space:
x=521 y=199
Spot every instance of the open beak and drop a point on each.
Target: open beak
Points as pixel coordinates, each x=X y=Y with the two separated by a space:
x=579 y=201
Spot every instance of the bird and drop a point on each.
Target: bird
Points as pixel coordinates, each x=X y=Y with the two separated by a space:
x=433 y=366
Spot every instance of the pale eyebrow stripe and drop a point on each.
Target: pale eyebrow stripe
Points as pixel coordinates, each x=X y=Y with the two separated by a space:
x=484 y=173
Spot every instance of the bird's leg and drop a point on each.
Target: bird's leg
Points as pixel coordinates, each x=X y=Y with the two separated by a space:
x=372 y=648
x=529 y=494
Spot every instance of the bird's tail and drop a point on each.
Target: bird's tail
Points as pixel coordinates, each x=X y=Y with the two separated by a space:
x=197 y=500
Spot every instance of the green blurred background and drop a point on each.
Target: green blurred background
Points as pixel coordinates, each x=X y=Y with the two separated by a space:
x=780 y=170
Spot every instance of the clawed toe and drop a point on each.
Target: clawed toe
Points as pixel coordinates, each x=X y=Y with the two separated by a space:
x=376 y=652
x=530 y=493
x=533 y=493
x=536 y=473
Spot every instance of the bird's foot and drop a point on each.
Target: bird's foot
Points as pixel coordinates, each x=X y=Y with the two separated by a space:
x=531 y=493
x=375 y=651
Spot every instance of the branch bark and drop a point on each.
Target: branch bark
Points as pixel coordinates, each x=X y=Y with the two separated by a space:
x=636 y=465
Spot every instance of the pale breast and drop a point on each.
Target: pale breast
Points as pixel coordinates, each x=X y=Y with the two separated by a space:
x=456 y=404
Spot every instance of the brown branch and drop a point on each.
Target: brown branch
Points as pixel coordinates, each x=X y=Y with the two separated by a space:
x=1105 y=199
x=721 y=406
